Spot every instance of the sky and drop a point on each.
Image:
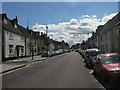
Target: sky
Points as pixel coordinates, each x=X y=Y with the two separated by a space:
x=62 y=18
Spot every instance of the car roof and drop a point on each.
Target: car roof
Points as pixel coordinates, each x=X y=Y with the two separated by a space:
x=109 y=54
x=93 y=49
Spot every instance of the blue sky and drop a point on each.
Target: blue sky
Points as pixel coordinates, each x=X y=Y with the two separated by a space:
x=53 y=13
x=62 y=17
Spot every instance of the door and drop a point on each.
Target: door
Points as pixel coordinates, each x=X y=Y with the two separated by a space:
x=17 y=52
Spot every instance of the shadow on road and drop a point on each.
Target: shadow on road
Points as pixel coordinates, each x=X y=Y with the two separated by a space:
x=108 y=85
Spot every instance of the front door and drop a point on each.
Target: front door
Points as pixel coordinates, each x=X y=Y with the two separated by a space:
x=17 y=52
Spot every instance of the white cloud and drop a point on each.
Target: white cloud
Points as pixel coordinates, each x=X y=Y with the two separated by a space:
x=73 y=21
x=108 y=17
x=85 y=24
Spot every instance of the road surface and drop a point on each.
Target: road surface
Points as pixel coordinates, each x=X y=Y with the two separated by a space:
x=62 y=71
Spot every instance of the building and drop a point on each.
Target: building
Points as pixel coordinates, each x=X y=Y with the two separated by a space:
x=0 y=41
x=27 y=37
x=18 y=41
x=107 y=37
x=13 y=39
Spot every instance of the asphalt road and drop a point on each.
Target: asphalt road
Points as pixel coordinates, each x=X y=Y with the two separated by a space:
x=62 y=71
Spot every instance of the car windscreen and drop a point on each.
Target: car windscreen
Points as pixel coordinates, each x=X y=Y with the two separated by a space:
x=95 y=53
x=110 y=59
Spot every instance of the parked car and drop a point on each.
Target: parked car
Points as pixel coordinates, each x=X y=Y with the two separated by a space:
x=44 y=54
x=108 y=66
x=92 y=55
x=88 y=53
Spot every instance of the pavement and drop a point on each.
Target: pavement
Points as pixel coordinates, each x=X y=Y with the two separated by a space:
x=18 y=63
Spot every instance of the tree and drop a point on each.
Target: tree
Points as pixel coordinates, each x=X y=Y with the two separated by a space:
x=31 y=45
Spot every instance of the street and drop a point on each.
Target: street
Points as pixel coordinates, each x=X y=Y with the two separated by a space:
x=62 y=71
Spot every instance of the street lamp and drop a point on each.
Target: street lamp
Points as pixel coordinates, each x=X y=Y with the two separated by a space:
x=47 y=40
x=46 y=30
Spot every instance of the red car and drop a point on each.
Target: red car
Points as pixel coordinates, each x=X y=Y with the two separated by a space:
x=108 y=66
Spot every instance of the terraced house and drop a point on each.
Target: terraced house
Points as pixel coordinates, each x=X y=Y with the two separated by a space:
x=13 y=39
x=107 y=37
x=18 y=41
x=0 y=41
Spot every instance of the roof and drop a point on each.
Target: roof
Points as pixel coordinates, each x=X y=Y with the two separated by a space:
x=24 y=31
x=9 y=26
x=111 y=23
x=33 y=35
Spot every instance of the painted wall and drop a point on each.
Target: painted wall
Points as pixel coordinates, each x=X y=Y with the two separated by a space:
x=14 y=40
x=0 y=44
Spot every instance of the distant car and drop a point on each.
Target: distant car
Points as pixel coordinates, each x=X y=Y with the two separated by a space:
x=108 y=66
x=44 y=54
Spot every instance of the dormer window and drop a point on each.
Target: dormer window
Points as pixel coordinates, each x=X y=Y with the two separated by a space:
x=11 y=36
x=5 y=21
x=15 y=26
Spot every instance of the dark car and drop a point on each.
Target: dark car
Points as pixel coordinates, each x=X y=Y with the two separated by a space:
x=108 y=66
x=90 y=53
x=91 y=57
x=44 y=54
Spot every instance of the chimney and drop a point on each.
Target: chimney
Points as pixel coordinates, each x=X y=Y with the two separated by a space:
x=15 y=22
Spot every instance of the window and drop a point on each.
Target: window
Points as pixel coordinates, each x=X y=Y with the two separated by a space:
x=110 y=59
x=15 y=26
x=22 y=49
x=11 y=36
x=10 y=48
x=22 y=39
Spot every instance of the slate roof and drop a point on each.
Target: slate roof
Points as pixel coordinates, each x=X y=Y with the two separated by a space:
x=24 y=31
x=9 y=26
x=111 y=23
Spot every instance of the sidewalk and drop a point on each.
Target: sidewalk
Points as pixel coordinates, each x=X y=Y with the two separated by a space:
x=18 y=63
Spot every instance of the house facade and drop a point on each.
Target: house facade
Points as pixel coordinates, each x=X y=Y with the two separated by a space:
x=107 y=37
x=0 y=42
x=18 y=41
x=13 y=40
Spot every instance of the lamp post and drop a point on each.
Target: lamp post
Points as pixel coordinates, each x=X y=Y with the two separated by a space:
x=47 y=40
x=46 y=30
